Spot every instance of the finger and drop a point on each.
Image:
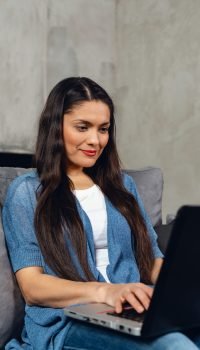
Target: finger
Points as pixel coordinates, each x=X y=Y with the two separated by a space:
x=118 y=306
x=142 y=297
x=134 y=302
x=122 y=299
x=147 y=289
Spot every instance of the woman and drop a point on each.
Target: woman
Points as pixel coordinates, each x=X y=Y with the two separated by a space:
x=76 y=229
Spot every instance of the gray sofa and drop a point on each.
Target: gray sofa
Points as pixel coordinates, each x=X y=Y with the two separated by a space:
x=150 y=185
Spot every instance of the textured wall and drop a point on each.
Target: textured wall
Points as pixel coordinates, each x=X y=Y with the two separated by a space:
x=80 y=40
x=22 y=38
x=158 y=81
x=145 y=52
x=41 y=42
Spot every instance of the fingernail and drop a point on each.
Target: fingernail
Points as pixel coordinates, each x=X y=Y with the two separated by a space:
x=140 y=309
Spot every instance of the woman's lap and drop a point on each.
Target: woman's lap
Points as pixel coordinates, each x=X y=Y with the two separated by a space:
x=84 y=336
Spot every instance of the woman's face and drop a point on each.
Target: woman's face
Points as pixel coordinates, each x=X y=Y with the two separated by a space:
x=86 y=133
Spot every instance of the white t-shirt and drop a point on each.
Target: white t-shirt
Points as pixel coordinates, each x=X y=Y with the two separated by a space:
x=93 y=203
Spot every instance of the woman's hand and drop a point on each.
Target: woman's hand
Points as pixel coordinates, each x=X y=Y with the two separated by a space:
x=138 y=295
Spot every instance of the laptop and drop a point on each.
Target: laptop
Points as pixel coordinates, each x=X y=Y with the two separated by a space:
x=175 y=305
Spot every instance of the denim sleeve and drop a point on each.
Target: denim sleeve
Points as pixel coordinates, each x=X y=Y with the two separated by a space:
x=131 y=187
x=18 y=225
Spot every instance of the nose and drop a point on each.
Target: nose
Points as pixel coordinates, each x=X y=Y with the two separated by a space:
x=93 y=137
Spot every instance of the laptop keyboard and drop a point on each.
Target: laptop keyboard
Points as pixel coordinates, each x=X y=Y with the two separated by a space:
x=129 y=314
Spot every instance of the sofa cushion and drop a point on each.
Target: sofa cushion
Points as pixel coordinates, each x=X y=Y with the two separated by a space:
x=6 y=176
x=149 y=183
x=11 y=303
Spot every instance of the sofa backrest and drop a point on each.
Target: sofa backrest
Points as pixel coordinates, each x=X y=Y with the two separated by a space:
x=150 y=185
x=149 y=182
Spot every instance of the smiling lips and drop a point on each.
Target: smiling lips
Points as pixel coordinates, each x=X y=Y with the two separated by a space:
x=90 y=153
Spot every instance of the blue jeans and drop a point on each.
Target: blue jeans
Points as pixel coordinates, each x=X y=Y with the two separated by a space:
x=85 y=336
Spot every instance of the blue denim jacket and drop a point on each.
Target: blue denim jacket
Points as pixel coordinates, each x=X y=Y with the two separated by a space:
x=46 y=328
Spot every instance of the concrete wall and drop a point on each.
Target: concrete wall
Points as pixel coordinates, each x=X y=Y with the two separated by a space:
x=41 y=42
x=158 y=84
x=146 y=53
x=22 y=38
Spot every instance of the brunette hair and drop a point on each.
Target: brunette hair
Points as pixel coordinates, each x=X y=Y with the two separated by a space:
x=56 y=216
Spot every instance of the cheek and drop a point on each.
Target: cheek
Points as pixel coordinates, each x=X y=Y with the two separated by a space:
x=71 y=140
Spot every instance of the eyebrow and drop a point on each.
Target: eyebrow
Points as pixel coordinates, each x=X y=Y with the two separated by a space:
x=88 y=123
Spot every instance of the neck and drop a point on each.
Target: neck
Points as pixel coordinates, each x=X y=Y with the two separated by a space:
x=80 y=180
x=72 y=172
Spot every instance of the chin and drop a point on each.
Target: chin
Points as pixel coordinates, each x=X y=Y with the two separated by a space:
x=89 y=164
x=84 y=163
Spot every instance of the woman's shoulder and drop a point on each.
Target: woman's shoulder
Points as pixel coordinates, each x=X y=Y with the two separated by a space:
x=128 y=181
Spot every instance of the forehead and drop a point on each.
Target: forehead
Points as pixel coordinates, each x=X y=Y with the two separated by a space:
x=90 y=110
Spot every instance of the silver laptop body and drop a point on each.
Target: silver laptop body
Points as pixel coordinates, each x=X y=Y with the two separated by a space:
x=97 y=313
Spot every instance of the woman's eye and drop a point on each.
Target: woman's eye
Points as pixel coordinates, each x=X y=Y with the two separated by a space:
x=81 y=127
x=104 y=130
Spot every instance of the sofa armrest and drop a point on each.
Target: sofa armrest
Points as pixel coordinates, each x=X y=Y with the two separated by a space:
x=11 y=302
x=170 y=218
x=149 y=183
x=164 y=232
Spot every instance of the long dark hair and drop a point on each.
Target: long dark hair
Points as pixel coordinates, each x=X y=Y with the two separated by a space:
x=56 y=217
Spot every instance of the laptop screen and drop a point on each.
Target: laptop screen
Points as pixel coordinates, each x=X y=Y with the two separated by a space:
x=176 y=301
